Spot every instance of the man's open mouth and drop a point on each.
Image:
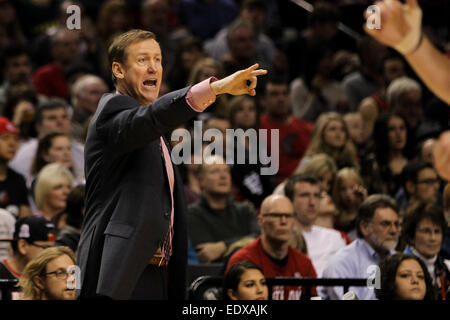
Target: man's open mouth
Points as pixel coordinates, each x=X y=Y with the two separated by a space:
x=150 y=83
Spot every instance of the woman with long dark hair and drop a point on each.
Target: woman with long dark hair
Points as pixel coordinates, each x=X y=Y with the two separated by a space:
x=381 y=169
x=245 y=281
x=404 y=277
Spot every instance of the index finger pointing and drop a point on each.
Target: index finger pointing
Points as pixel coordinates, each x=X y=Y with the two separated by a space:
x=258 y=72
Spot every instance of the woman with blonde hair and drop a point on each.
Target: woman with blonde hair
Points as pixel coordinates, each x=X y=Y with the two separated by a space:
x=41 y=282
x=53 y=185
x=321 y=166
x=330 y=136
x=348 y=194
x=203 y=69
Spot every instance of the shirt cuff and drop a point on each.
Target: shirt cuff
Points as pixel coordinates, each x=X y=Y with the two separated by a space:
x=201 y=96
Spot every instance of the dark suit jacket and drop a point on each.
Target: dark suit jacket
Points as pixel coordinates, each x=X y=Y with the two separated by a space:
x=128 y=201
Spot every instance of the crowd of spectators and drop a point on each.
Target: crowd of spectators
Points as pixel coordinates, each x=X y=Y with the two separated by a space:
x=355 y=128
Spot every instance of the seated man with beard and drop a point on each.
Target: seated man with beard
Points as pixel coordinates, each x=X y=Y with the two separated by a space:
x=378 y=230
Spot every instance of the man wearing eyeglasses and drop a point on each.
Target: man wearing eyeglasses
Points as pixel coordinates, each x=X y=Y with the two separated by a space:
x=51 y=275
x=31 y=236
x=421 y=183
x=378 y=230
x=272 y=251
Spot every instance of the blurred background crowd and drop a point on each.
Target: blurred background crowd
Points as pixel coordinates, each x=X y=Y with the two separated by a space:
x=354 y=121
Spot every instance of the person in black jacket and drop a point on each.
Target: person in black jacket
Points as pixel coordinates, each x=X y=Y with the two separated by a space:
x=133 y=241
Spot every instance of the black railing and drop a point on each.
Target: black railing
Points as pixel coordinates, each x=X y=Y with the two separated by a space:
x=6 y=286
x=200 y=285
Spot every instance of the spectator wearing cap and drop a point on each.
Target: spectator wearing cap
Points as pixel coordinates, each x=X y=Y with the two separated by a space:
x=31 y=236
x=13 y=191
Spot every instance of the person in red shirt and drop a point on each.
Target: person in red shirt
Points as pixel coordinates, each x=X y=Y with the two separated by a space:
x=50 y=80
x=294 y=133
x=271 y=251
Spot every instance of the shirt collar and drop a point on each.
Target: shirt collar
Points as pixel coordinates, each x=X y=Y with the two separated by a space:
x=371 y=251
x=428 y=261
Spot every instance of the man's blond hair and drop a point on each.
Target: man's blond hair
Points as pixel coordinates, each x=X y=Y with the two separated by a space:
x=37 y=268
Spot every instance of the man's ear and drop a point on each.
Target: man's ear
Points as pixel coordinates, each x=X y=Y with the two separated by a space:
x=22 y=246
x=260 y=220
x=118 y=70
x=364 y=227
x=38 y=282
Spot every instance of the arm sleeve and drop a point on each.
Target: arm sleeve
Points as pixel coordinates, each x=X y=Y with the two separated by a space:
x=125 y=125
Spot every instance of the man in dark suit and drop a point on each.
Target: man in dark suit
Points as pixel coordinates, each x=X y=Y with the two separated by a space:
x=133 y=243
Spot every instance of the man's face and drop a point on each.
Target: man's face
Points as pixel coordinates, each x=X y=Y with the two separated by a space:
x=242 y=43
x=306 y=202
x=66 y=46
x=154 y=16
x=216 y=179
x=90 y=95
x=255 y=16
x=383 y=230
x=55 y=283
x=427 y=185
x=142 y=72
x=54 y=120
x=277 y=220
x=276 y=99
x=18 y=69
x=9 y=143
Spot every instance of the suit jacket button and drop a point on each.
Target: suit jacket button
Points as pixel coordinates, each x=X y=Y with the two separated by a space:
x=166 y=214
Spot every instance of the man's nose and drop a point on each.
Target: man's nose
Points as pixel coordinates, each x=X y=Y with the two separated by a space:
x=151 y=67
